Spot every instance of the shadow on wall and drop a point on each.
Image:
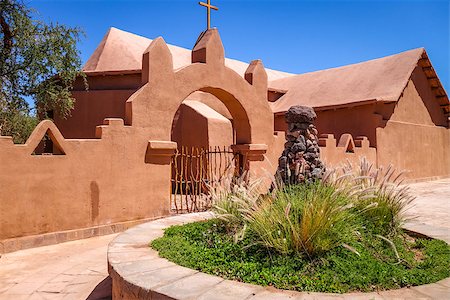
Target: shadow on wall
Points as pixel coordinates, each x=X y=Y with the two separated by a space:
x=95 y=200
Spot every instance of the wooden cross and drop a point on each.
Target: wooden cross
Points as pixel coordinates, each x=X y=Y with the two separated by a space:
x=208 y=11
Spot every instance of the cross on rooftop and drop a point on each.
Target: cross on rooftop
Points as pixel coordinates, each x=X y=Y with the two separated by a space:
x=208 y=11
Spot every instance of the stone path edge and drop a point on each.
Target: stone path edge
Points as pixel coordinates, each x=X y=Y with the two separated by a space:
x=138 y=272
x=52 y=238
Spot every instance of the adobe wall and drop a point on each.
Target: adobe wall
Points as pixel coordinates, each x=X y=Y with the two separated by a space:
x=357 y=121
x=124 y=173
x=190 y=128
x=416 y=138
x=109 y=81
x=91 y=108
x=105 y=98
x=98 y=181
x=421 y=150
x=418 y=104
x=350 y=141
x=198 y=125
x=347 y=149
x=212 y=102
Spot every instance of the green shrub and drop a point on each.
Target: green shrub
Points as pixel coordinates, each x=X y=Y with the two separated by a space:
x=304 y=219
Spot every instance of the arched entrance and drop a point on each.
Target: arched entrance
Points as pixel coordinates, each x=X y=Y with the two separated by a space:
x=153 y=107
x=204 y=132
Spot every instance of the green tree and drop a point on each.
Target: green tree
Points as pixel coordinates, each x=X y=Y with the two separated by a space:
x=38 y=61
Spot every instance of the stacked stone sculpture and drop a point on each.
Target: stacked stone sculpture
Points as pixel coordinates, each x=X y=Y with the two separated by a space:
x=300 y=161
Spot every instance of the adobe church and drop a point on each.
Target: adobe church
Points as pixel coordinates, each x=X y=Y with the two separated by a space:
x=393 y=110
x=111 y=163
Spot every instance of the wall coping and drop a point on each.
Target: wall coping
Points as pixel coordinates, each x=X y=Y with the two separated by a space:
x=138 y=272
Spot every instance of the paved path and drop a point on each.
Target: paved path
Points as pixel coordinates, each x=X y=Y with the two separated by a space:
x=71 y=270
x=431 y=209
x=77 y=269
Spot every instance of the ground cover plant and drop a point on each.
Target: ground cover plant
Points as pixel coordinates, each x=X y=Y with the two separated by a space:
x=342 y=234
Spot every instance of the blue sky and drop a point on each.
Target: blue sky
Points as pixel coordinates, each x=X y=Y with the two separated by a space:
x=292 y=36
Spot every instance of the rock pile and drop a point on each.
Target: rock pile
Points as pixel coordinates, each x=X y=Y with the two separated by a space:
x=300 y=161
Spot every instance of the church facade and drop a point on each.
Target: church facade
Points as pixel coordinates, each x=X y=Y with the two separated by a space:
x=110 y=164
x=396 y=104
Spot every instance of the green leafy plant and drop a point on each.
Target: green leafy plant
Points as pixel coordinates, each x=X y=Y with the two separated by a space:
x=208 y=247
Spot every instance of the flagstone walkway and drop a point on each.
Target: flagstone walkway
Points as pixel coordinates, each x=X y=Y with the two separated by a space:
x=70 y=270
x=78 y=270
x=431 y=209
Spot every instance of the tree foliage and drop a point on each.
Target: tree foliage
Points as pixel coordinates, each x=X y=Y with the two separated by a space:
x=38 y=61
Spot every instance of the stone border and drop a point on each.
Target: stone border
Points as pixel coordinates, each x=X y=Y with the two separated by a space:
x=138 y=272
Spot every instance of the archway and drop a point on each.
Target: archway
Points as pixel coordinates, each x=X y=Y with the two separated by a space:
x=204 y=131
x=153 y=107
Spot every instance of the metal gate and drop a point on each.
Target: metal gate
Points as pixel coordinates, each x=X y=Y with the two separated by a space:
x=194 y=171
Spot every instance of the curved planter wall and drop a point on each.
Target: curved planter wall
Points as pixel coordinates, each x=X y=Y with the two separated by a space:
x=138 y=272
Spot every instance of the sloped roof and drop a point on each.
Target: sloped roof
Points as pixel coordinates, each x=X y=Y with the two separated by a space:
x=121 y=52
x=381 y=79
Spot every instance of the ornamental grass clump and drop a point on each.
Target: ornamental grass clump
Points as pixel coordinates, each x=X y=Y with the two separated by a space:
x=378 y=194
x=337 y=235
x=313 y=218
x=232 y=197
x=304 y=219
x=307 y=219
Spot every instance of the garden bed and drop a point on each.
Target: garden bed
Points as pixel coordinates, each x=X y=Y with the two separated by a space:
x=340 y=235
x=138 y=272
x=207 y=247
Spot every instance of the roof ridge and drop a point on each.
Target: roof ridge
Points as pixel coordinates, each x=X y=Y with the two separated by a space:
x=380 y=79
x=357 y=63
x=98 y=62
x=94 y=59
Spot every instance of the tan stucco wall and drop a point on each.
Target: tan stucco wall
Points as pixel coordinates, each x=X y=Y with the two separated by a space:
x=335 y=153
x=357 y=121
x=411 y=140
x=190 y=128
x=421 y=150
x=124 y=173
x=96 y=81
x=96 y=182
x=212 y=102
x=338 y=127
x=418 y=104
x=91 y=108
x=198 y=125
